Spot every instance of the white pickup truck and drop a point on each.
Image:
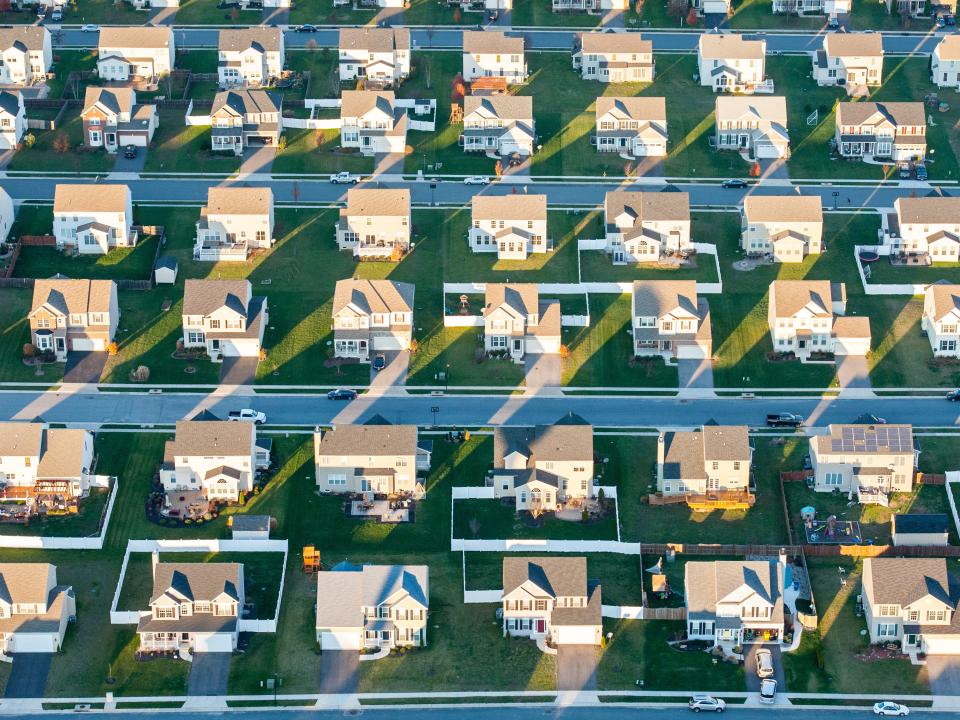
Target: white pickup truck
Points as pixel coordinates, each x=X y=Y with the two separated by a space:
x=344 y=178
x=247 y=415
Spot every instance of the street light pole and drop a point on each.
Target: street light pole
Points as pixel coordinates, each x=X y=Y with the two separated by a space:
x=446 y=377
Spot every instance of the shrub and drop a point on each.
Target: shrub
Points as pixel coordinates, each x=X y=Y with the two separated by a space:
x=29 y=140
x=584 y=515
x=111 y=348
x=61 y=144
x=29 y=350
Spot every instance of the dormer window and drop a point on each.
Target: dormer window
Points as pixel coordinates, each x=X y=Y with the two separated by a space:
x=165 y=613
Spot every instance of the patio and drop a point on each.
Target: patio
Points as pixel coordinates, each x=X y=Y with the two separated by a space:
x=185 y=505
x=384 y=511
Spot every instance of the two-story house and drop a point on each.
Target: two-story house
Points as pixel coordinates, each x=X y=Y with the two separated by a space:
x=729 y=63
x=378 y=56
x=112 y=119
x=372 y=606
x=194 y=607
x=732 y=603
x=850 y=59
x=831 y=8
x=498 y=125
x=128 y=52
x=493 y=54
x=588 y=6
x=375 y=223
x=803 y=319
x=371 y=316
x=93 y=219
x=714 y=460
x=551 y=600
x=512 y=226
x=215 y=458
x=634 y=126
x=516 y=321
x=867 y=461
x=913 y=602
x=670 y=321
x=787 y=228
x=945 y=62
x=26 y=54
x=234 y=222
x=372 y=121
x=34 y=609
x=241 y=117
x=645 y=226
x=613 y=57
x=545 y=466
x=251 y=56
x=711 y=7
x=34 y=455
x=13 y=119
x=73 y=315
x=754 y=126
x=381 y=459
x=892 y=131
x=224 y=317
x=927 y=229
x=941 y=318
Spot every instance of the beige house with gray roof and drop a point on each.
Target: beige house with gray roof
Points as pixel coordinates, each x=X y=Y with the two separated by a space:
x=866 y=461
x=786 y=228
x=93 y=218
x=756 y=127
x=34 y=609
x=372 y=122
x=516 y=321
x=551 y=600
x=26 y=54
x=806 y=317
x=498 y=125
x=632 y=126
x=730 y=63
x=375 y=223
x=131 y=52
x=381 y=459
x=925 y=229
x=714 y=460
x=613 y=57
x=854 y=60
x=493 y=54
x=945 y=62
x=73 y=315
x=44 y=459
x=888 y=131
x=512 y=226
x=378 y=56
x=234 y=222
x=646 y=226
x=250 y=56
x=941 y=318
x=223 y=317
x=371 y=316
x=670 y=321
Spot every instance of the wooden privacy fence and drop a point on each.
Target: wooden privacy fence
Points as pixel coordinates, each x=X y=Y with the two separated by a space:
x=931 y=478
x=38 y=240
x=650 y=613
x=866 y=551
x=794 y=475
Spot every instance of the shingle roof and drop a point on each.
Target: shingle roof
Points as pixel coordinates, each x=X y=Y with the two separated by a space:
x=383 y=202
x=946 y=298
x=851 y=439
x=135 y=37
x=555 y=576
x=615 y=42
x=21 y=439
x=903 y=581
x=850 y=326
x=651 y=109
x=343 y=593
x=31 y=36
x=928 y=210
x=783 y=208
x=559 y=442
x=263 y=38
x=62 y=454
x=244 y=101
x=510 y=207
x=731 y=46
x=491 y=42
x=508 y=107
x=250 y=523
x=377 y=40
x=368 y=440
x=522 y=297
x=373 y=296
x=239 y=200
x=685 y=453
x=26 y=583
x=653 y=298
x=73 y=296
x=202 y=297
x=10 y=102
x=212 y=437
x=770 y=108
x=790 y=296
x=898 y=113
x=116 y=100
x=355 y=103
x=197 y=581
x=706 y=583
x=853 y=44
x=949 y=48
x=90 y=198
x=647 y=206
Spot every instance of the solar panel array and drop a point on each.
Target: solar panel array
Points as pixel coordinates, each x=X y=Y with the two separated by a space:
x=873 y=438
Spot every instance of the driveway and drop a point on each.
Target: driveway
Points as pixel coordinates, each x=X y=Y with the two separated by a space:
x=853 y=372
x=162 y=16
x=339 y=670
x=773 y=169
x=28 y=675
x=209 y=674
x=258 y=159
x=715 y=20
x=613 y=20
x=130 y=165
x=750 y=669
x=394 y=373
x=541 y=370
x=695 y=374
x=388 y=164
x=238 y=370
x=84 y=367
x=275 y=16
x=576 y=667
x=944 y=674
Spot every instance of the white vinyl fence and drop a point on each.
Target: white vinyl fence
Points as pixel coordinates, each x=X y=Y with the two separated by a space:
x=883 y=288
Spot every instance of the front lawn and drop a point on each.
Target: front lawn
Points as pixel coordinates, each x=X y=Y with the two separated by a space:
x=206 y=12
x=42 y=157
x=493 y=520
x=180 y=148
x=318 y=152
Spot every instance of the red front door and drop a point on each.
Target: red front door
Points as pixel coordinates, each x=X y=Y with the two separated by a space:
x=541 y=626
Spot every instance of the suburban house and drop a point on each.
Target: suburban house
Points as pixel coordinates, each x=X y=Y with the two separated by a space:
x=132 y=52
x=381 y=459
x=941 y=318
x=670 y=321
x=711 y=7
x=375 y=223
x=498 y=125
x=729 y=63
x=240 y=118
x=371 y=316
x=252 y=56
x=588 y=6
x=34 y=609
x=13 y=119
x=224 y=318
x=803 y=320
x=493 y=54
x=911 y=529
x=551 y=600
x=6 y=215
x=912 y=602
x=787 y=228
x=544 y=467
x=754 y=126
x=215 y=458
x=945 y=62
x=234 y=222
x=732 y=603
x=372 y=606
x=916 y=8
x=378 y=56
x=73 y=316
x=831 y=8
x=869 y=461
x=93 y=219
x=194 y=607
x=713 y=461
x=888 y=131
x=112 y=119
x=645 y=226
x=925 y=229
x=512 y=226
x=634 y=126
x=516 y=321
x=372 y=121
x=613 y=57
x=45 y=460
x=26 y=54
x=850 y=59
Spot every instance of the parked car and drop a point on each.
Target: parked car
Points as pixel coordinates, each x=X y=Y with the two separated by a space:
x=733 y=184
x=886 y=707
x=953 y=396
x=833 y=24
x=476 y=180
x=344 y=178
x=247 y=415
x=342 y=394
x=921 y=172
x=904 y=171
x=768 y=691
x=707 y=703
x=89 y=28
x=784 y=419
x=130 y=151
x=56 y=15
x=379 y=362
x=306 y=28
x=764 y=663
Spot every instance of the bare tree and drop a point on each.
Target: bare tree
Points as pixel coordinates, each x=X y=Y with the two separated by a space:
x=677 y=9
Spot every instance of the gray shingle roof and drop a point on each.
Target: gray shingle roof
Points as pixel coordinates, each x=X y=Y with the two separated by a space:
x=903 y=581
x=377 y=40
x=653 y=298
x=491 y=42
x=646 y=206
x=510 y=207
x=202 y=297
x=555 y=576
x=212 y=437
x=135 y=37
x=898 y=113
x=783 y=208
x=730 y=46
x=26 y=582
x=343 y=593
x=197 y=581
x=243 y=101
x=373 y=296
x=707 y=583
x=383 y=202
x=73 y=296
x=116 y=100
x=265 y=39
x=558 y=442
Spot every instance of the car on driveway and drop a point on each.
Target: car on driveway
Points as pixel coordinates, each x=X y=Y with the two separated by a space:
x=379 y=362
x=306 y=28
x=764 y=663
x=768 y=691
x=886 y=707
x=733 y=184
x=954 y=395
x=706 y=703
x=476 y=180
x=921 y=173
x=344 y=178
x=89 y=28
x=130 y=152
x=342 y=394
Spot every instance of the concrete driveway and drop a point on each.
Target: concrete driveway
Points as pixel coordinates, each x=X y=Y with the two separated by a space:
x=695 y=374
x=238 y=370
x=576 y=667
x=750 y=669
x=162 y=16
x=209 y=674
x=84 y=367
x=853 y=372
x=28 y=675
x=388 y=164
x=394 y=373
x=541 y=370
x=258 y=160
x=944 y=674
x=339 y=670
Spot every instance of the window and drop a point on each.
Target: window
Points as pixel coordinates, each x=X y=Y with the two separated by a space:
x=336 y=479
x=833 y=479
x=886 y=630
x=936 y=615
x=165 y=613
x=914 y=615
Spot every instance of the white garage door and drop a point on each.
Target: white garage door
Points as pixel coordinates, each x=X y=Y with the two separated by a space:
x=339 y=640
x=387 y=342
x=651 y=149
x=576 y=635
x=690 y=352
x=32 y=643
x=219 y=642
x=767 y=151
x=851 y=346
x=138 y=140
x=86 y=345
x=508 y=148
x=941 y=645
x=239 y=348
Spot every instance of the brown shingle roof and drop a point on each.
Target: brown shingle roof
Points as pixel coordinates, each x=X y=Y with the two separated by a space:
x=899 y=113
x=354 y=103
x=946 y=299
x=508 y=107
x=197 y=581
x=135 y=36
x=652 y=109
x=619 y=42
x=382 y=201
x=202 y=297
x=559 y=442
x=522 y=297
x=26 y=583
x=21 y=439
x=853 y=44
x=902 y=581
x=949 y=48
x=491 y=42
x=212 y=437
x=31 y=36
x=373 y=296
x=556 y=576
x=791 y=296
x=265 y=38
x=117 y=100
x=647 y=206
x=374 y=440
x=63 y=454
x=783 y=208
x=770 y=108
x=929 y=210
x=510 y=207
x=849 y=326
x=730 y=46
x=377 y=40
x=90 y=198
x=239 y=201
x=653 y=298
x=73 y=296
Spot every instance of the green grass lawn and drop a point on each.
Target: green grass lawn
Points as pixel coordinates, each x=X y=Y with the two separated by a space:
x=206 y=12
x=85 y=523
x=178 y=148
x=14 y=334
x=43 y=158
x=539 y=13
x=198 y=61
x=758 y=14
x=303 y=155
x=65 y=62
x=492 y=520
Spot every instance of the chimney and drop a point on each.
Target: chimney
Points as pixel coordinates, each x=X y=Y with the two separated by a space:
x=783 y=558
x=154 y=561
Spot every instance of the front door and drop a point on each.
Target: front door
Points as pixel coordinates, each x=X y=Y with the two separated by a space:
x=517 y=347
x=801 y=344
x=215 y=344
x=61 y=344
x=541 y=626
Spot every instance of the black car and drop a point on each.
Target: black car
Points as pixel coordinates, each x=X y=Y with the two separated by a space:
x=130 y=151
x=307 y=28
x=953 y=396
x=733 y=184
x=342 y=394
x=379 y=362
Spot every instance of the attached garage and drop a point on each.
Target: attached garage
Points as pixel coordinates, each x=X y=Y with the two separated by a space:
x=576 y=634
x=213 y=642
x=240 y=348
x=650 y=149
x=340 y=640
x=690 y=351
x=388 y=342
x=943 y=645
x=32 y=643
x=767 y=151
x=87 y=344
x=851 y=346
x=548 y=345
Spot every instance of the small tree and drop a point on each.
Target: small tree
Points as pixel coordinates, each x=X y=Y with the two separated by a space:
x=498 y=168
x=319 y=138
x=282 y=143
x=458 y=89
x=29 y=140
x=61 y=143
x=692 y=18
x=29 y=350
x=755 y=170
x=111 y=348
